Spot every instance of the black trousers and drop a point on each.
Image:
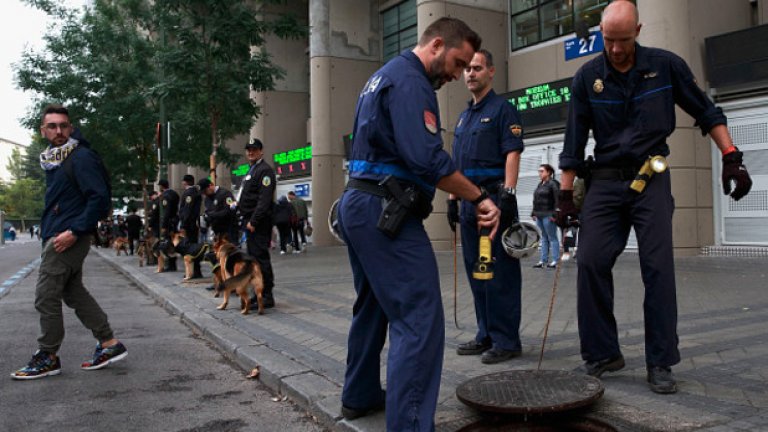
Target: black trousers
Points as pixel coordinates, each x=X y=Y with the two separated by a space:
x=610 y=210
x=257 y=244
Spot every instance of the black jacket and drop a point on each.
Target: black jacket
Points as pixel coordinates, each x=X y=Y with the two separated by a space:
x=189 y=208
x=258 y=192
x=170 y=202
x=283 y=212
x=545 y=198
x=134 y=224
x=218 y=210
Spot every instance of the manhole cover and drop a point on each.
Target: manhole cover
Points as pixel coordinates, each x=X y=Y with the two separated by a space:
x=530 y=391
x=572 y=425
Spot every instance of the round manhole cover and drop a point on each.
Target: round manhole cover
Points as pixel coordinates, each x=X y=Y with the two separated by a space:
x=530 y=391
x=564 y=425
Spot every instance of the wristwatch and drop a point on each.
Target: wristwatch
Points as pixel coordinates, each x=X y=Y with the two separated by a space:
x=509 y=191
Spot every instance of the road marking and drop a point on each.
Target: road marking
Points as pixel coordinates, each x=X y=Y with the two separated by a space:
x=5 y=287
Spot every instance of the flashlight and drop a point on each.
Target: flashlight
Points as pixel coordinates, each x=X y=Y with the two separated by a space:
x=484 y=266
x=654 y=164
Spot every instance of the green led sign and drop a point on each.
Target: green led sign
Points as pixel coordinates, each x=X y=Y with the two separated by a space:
x=295 y=155
x=548 y=95
x=241 y=170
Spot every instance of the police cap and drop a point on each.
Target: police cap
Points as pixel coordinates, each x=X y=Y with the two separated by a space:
x=204 y=183
x=188 y=179
x=255 y=144
x=163 y=183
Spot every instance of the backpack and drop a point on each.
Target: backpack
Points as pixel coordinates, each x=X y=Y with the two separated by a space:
x=69 y=171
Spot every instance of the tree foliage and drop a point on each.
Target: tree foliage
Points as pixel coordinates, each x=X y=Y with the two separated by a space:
x=23 y=199
x=115 y=61
x=15 y=164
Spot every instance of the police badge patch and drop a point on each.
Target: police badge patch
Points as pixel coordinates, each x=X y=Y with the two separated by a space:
x=516 y=130
x=188 y=200
x=165 y=203
x=230 y=201
x=598 y=86
x=266 y=181
x=430 y=122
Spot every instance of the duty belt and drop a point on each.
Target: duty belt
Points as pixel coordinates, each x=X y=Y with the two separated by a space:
x=370 y=186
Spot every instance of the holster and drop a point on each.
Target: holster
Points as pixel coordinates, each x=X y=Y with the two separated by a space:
x=399 y=203
x=584 y=171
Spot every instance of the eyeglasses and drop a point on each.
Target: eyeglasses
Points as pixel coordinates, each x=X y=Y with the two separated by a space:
x=54 y=126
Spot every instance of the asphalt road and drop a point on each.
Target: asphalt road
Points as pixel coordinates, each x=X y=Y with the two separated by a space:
x=172 y=380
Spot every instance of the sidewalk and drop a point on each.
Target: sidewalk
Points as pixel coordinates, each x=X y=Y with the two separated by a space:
x=300 y=346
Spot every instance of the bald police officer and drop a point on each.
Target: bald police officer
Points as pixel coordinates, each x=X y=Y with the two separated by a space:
x=627 y=97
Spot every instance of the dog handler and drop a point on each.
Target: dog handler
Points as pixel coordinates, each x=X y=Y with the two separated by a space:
x=486 y=149
x=627 y=97
x=397 y=156
x=69 y=217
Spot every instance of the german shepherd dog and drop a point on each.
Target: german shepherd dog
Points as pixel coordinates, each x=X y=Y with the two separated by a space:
x=144 y=251
x=236 y=272
x=193 y=254
x=120 y=244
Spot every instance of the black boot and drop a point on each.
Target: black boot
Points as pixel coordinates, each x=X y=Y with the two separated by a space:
x=170 y=265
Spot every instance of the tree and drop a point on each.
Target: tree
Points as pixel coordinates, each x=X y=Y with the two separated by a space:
x=16 y=165
x=216 y=48
x=23 y=199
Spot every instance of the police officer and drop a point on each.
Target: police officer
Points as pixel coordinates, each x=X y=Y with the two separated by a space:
x=189 y=214
x=397 y=157
x=219 y=210
x=255 y=202
x=486 y=149
x=169 y=218
x=627 y=96
x=153 y=216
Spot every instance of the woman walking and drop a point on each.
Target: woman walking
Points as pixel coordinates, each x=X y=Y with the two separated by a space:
x=544 y=205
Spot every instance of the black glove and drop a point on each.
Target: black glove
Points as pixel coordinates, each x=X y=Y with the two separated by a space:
x=508 y=207
x=734 y=170
x=566 y=213
x=453 y=213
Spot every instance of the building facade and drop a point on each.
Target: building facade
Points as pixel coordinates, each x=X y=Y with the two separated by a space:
x=536 y=53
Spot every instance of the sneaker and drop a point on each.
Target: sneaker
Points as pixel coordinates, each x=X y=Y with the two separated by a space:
x=660 y=380
x=472 y=348
x=41 y=366
x=552 y=265
x=597 y=368
x=282 y=252
x=103 y=357
x=539 y=264
x=566 y=256
x=498 y=355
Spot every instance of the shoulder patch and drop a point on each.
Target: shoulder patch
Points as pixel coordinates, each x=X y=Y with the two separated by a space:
x=188 y=200
x=516 y=130
x=430 y=122
x=165 y=203
x=266 y=181
x=230 y=200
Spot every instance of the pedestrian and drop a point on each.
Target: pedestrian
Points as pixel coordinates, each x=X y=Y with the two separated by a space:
x=627 y=97
x=302 y=221
x=134 y=224
x=71 y=212
x=31 y=232
x=397 y=155
x=189 y=215
x=544 y=206
x=219 y=210
x=284 y=218
x=487 y=145
x=256 y=201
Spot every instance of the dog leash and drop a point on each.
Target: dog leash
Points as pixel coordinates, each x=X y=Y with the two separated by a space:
x=549 y=314
x=455 y=286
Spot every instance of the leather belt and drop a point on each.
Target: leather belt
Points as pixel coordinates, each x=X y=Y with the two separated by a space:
x=622 y=173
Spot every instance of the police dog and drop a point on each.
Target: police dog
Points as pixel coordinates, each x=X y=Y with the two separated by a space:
x=120 y=244
x=241 y=271
x=165 y=250
x=193 y=254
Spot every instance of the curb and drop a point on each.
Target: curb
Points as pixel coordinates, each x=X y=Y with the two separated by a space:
x=281 y=374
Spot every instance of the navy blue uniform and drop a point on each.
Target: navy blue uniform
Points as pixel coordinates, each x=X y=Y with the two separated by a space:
x=485 y=134
x=396 y=132
x=631 y=115
x=189 y=212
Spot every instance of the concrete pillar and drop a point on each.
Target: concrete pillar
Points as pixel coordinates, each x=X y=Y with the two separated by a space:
x=344 y=52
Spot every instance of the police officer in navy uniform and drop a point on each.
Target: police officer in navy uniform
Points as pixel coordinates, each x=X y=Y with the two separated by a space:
x=627 y=97
x=256 y=201
x=397 y=160
x=486 y=149
x=189 y=215
x=220 y=208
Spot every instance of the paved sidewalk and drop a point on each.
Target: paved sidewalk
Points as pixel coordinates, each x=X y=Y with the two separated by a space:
x=300 y=346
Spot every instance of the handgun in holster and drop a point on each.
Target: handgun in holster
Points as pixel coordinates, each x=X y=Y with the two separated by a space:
x=397 y=205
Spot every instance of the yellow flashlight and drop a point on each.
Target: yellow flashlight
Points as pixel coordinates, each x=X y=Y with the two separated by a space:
x=654 y=164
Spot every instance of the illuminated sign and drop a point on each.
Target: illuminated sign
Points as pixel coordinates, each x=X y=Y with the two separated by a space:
x=557 y=93
x=241 y=170
x=294 y=163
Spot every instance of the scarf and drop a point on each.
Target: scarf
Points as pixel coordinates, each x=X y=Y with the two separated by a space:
x=52 y=157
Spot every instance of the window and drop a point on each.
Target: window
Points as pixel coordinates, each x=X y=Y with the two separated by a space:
x=399 y=29
x=534 y=21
